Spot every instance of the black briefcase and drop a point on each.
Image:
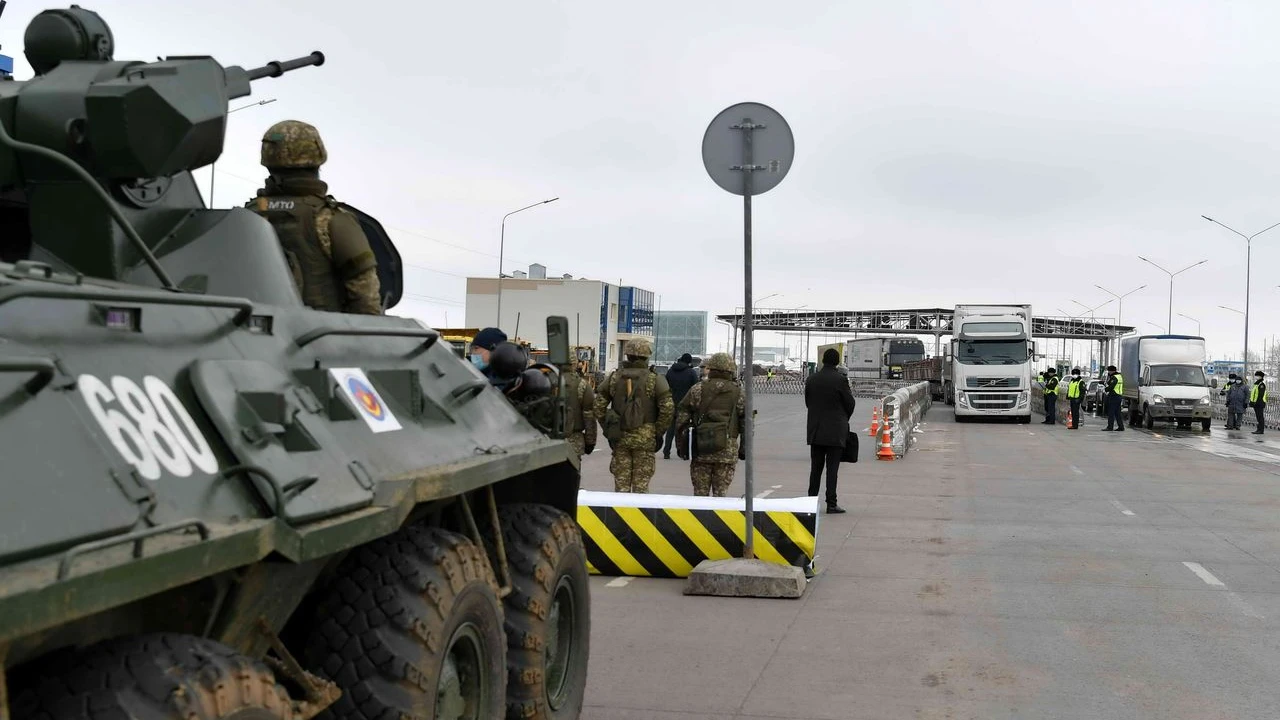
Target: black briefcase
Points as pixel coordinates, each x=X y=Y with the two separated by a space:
x=850 y=454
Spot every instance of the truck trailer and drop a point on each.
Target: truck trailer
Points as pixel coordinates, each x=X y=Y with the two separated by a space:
x=928 y=370
x=991 y=354
x=881 y=358
x=1164 y=380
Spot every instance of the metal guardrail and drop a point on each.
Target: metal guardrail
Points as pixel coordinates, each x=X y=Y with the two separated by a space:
x=903 y=409
x=860 y=387
x=1271 y=416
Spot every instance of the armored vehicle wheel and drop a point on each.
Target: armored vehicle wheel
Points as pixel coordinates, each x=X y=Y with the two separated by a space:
x=155 y=677
x=548 y=619
x=412 y=628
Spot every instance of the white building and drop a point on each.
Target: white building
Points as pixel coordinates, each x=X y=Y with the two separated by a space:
x=601 y=315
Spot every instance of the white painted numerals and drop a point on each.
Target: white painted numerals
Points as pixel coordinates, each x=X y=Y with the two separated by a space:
x=155 y=430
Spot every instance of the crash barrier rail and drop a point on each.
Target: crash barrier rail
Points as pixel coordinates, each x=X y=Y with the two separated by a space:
x=643 y=535
x=861 y=387
x=1271 y=415
x=903 y=409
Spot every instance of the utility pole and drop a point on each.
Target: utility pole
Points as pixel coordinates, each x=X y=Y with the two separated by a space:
x=1248 y=268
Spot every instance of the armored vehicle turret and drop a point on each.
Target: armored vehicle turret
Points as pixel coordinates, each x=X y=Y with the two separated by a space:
x=218 y=502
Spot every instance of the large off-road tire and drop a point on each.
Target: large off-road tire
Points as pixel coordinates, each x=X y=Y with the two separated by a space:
x=152 y=677
x=412 y=628
x=548 y=618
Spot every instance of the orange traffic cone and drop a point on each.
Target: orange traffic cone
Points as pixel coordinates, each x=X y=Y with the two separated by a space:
x=1070 y=425
x=875 y=422
x=886 y=444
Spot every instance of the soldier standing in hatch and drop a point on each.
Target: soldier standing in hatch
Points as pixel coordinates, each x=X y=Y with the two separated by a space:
x=634 y=385
x=581 y=430
x=333 y=267
x=715 y=402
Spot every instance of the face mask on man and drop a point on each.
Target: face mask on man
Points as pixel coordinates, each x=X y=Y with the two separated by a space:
x=478 y=360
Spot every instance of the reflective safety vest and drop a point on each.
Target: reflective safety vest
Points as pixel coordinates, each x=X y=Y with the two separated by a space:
x=1073 y=388
x=1119 y=384
x=1256 y=395
x=1051 y=386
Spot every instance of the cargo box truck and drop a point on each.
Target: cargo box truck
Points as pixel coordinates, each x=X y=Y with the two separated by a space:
x=1164 y=380
x=881 y=358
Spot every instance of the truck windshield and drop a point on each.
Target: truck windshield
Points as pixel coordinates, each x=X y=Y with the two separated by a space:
x=992 y=352
x=1178 y=375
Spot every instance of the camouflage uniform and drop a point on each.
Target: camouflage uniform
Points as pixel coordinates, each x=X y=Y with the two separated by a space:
x=712 y=474
x=632 y=463
x=333 y=267
x=581 y=430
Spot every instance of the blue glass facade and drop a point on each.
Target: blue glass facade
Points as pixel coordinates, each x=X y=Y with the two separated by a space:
x=635 y=311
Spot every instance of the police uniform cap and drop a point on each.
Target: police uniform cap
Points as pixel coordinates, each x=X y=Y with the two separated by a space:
x=489 y=338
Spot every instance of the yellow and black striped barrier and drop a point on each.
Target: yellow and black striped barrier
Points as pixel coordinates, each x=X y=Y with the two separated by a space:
x=668 y=535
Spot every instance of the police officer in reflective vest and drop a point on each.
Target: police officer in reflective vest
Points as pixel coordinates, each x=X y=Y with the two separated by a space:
x=1258 y=400
x=1075 y=394
x=1050 y=397
x=1115 y=393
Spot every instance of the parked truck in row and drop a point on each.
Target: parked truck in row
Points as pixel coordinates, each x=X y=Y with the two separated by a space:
x=880 y=358
x=928 y=370
x=1164 y=380
x=990 y=361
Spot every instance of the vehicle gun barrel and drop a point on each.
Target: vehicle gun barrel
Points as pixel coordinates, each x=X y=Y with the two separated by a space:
x=276 y=68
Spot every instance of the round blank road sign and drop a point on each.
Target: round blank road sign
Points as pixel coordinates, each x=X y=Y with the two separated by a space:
x=773 y=148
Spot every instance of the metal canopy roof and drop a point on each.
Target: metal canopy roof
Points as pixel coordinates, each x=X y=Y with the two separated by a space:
x=929 y=321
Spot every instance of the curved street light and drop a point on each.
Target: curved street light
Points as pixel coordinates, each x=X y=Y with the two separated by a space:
x=1115 y=352
x=1171 y=275
x=1248 y=263
x=1197 y=322
x=502 y=245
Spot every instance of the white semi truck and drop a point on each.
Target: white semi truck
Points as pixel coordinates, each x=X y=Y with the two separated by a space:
x=990 y=362
x=1164 y=380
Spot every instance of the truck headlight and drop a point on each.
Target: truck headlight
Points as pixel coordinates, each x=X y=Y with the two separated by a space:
x=962 y=399
x=1157 y=399
x=1024 y=397
x=1203 y=401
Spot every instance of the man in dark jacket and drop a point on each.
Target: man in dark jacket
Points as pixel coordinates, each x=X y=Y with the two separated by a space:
x=830 y=405
x=681 y=376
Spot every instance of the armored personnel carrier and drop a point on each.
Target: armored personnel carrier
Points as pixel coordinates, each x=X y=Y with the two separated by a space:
x=218 y=503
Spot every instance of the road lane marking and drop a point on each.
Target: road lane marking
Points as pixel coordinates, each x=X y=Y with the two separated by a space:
x=768 y=492
x=1204 y=575
x=618 y=582
x=1076 y=470
x=1127 y=511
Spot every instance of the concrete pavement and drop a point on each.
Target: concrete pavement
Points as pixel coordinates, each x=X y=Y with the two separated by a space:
x=997 y=571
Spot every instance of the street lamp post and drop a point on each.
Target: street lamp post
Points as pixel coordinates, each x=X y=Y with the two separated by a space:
x=1115 y=350
x=1248 y=262
x=1171 y=275
x=742 y=362
x=1093 y=321
x=502 y=245
x=1197 y=322
x=1244 y=360
x=212 y=177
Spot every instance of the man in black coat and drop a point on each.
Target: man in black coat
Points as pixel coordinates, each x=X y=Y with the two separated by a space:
x=681 y=377
x=830 y=404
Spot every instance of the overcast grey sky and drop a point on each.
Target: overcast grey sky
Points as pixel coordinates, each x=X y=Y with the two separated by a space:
x=946 y=151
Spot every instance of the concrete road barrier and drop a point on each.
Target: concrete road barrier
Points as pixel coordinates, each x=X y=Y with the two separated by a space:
x=667 y=536
x=903 y=409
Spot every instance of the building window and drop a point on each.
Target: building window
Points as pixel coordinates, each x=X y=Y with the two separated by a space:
x=613 y=311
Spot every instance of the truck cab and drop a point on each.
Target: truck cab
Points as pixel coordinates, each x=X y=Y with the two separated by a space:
x=991 y=355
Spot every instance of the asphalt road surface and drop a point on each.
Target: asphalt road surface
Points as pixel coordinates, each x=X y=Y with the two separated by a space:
x=996 y=571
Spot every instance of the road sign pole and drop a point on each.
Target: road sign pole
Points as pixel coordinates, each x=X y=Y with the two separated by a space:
x=748 y=355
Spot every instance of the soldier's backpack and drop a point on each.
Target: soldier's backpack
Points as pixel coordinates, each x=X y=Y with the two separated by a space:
x=628 y=410
x=714 y=427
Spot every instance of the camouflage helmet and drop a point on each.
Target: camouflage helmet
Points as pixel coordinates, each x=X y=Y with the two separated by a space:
x=638 y=347
x=293 y=144
x=720 y=361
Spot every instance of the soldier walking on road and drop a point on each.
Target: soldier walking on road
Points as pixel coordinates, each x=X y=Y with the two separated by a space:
x=1075 y=393
x=581 y=430
x=716 y=411
x=1258 y=401
x=333 y=267
x=634 y=408
x=1051 y=397
x=1115 y=393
